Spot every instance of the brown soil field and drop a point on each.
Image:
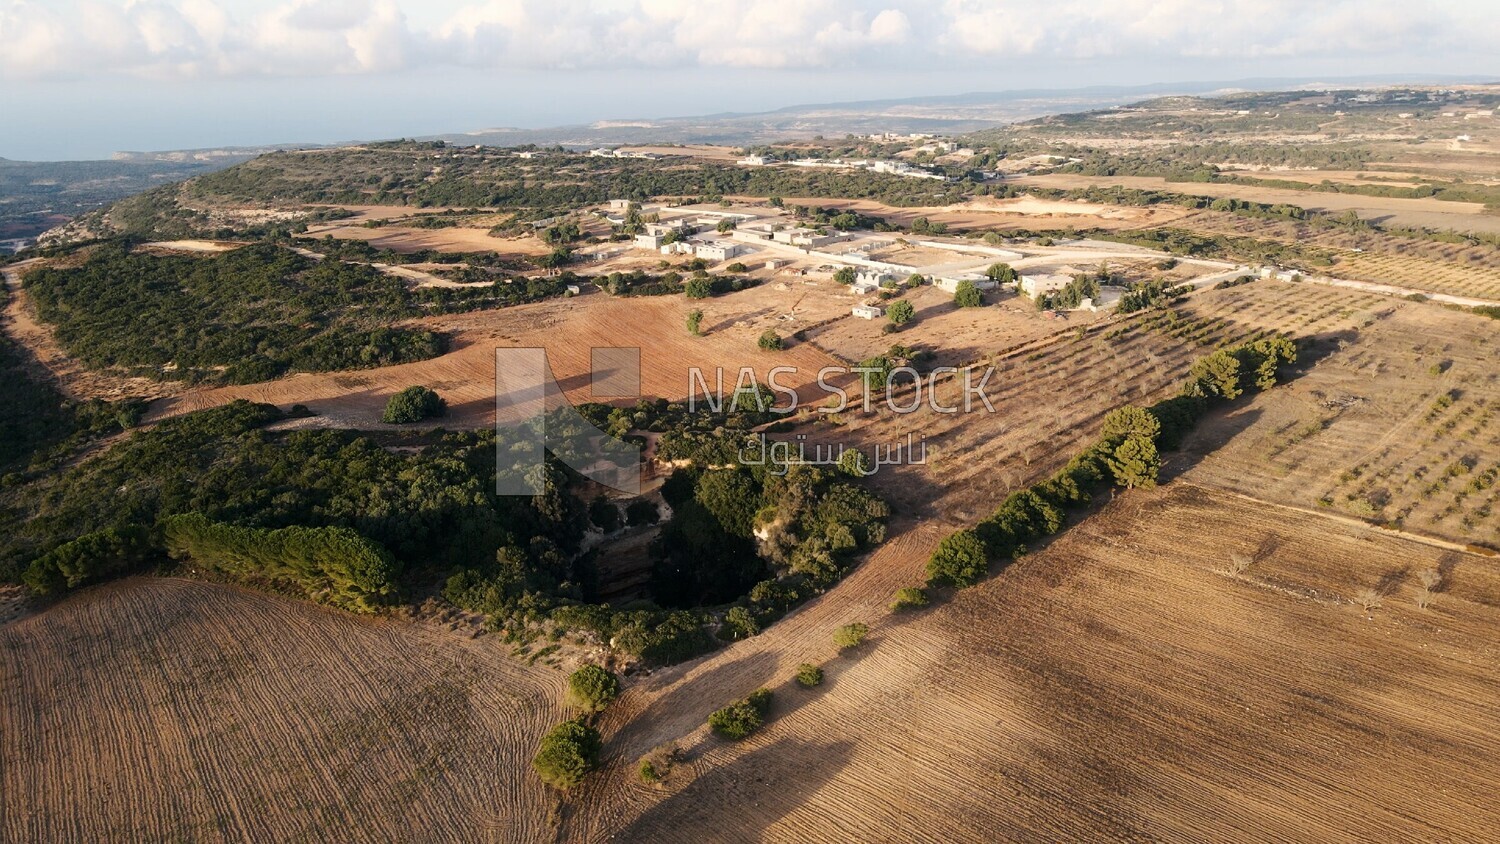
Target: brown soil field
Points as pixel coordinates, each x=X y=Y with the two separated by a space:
x=1051 y=393
x=206 y=712
x=1456 y=268
x=1428 y=212
x=954 y=335
x=1399 y=424
x=1019 y=213
x=454 y=239
x=1114 y=686
x=708 y=151
x=568 y=329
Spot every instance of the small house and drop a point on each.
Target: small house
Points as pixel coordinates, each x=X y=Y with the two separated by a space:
x=867 y=311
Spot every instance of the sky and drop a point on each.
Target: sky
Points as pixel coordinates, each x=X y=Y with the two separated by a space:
x=84 y=78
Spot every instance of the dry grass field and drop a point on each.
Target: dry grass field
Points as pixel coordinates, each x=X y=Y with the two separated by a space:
x=1428 y=212
x=1114 y=686
x=1001 y=214
x=568 y=329
x=1462 y=269
x=1051 y=394
x=203 y=712
x=1398 y=425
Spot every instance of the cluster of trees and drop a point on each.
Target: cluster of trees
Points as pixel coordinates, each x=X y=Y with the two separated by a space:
x=699 y=285
x=243 y=316
x=335 y=565
x=434 y=511
x=1156 y=293
x=38 y=425
x=760 y=539
x=1127 y=454
x=1071 y=295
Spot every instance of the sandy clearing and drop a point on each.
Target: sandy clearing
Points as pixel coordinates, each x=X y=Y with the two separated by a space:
x=1021 y=213
x=568 y=329
x=455 y=239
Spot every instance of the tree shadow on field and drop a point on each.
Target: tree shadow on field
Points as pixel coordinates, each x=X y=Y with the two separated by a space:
x=1222 y=424
x=689 y=700
x=742 y=799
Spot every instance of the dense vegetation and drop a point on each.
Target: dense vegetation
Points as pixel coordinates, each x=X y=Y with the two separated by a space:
x=249 y=314
x=242 y=316
x=38 y=424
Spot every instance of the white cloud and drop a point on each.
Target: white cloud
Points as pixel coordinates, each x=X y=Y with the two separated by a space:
x=225 y=38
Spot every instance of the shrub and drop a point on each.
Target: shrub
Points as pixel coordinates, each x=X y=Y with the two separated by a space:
x=413 y=404
x=959 y=560
x=743 y=717
x=566 y=754
x=737 y=267
x=698 y=288
x=967 y=295
x=851 y=635
x=809 y=675
x=657 y=765
x=901 y=312
x=909 y=598
x=695 y=322
x=770 y=341
x=591 y=688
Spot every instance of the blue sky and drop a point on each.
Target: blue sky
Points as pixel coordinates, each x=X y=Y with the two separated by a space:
x=82 y=78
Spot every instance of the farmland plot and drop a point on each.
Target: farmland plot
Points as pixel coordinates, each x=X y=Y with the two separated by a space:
x=204 y=712
x=1116 y=685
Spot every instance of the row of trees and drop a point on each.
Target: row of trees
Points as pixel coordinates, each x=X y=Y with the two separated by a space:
x=1127 y=455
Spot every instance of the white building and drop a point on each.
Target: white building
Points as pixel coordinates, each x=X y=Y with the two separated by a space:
x=648 y=241
x=872 y=277
x=867 y=311
x=753 y=161
x=619 y=205
x=1043 y=283
x=860 y=288
x=775 y=264
x=1279 y=274
x=717 y=250
x=949 y=283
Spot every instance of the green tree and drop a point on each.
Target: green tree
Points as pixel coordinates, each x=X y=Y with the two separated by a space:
x=908 y=598
x=743 y=717
x=809 y=675
x=853 y=463
x=967 y=295
x=698 y=287
x=1002 y=273
x=566 y=754
x=1135 y=462
x=844 y=275
x=959 y=560
x=1130 y=421
x=851 y=635
x=770 y=341
x=915 y=280
x=413 y=404
x=591 y=688
x=901 y=312
x=695 y=322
